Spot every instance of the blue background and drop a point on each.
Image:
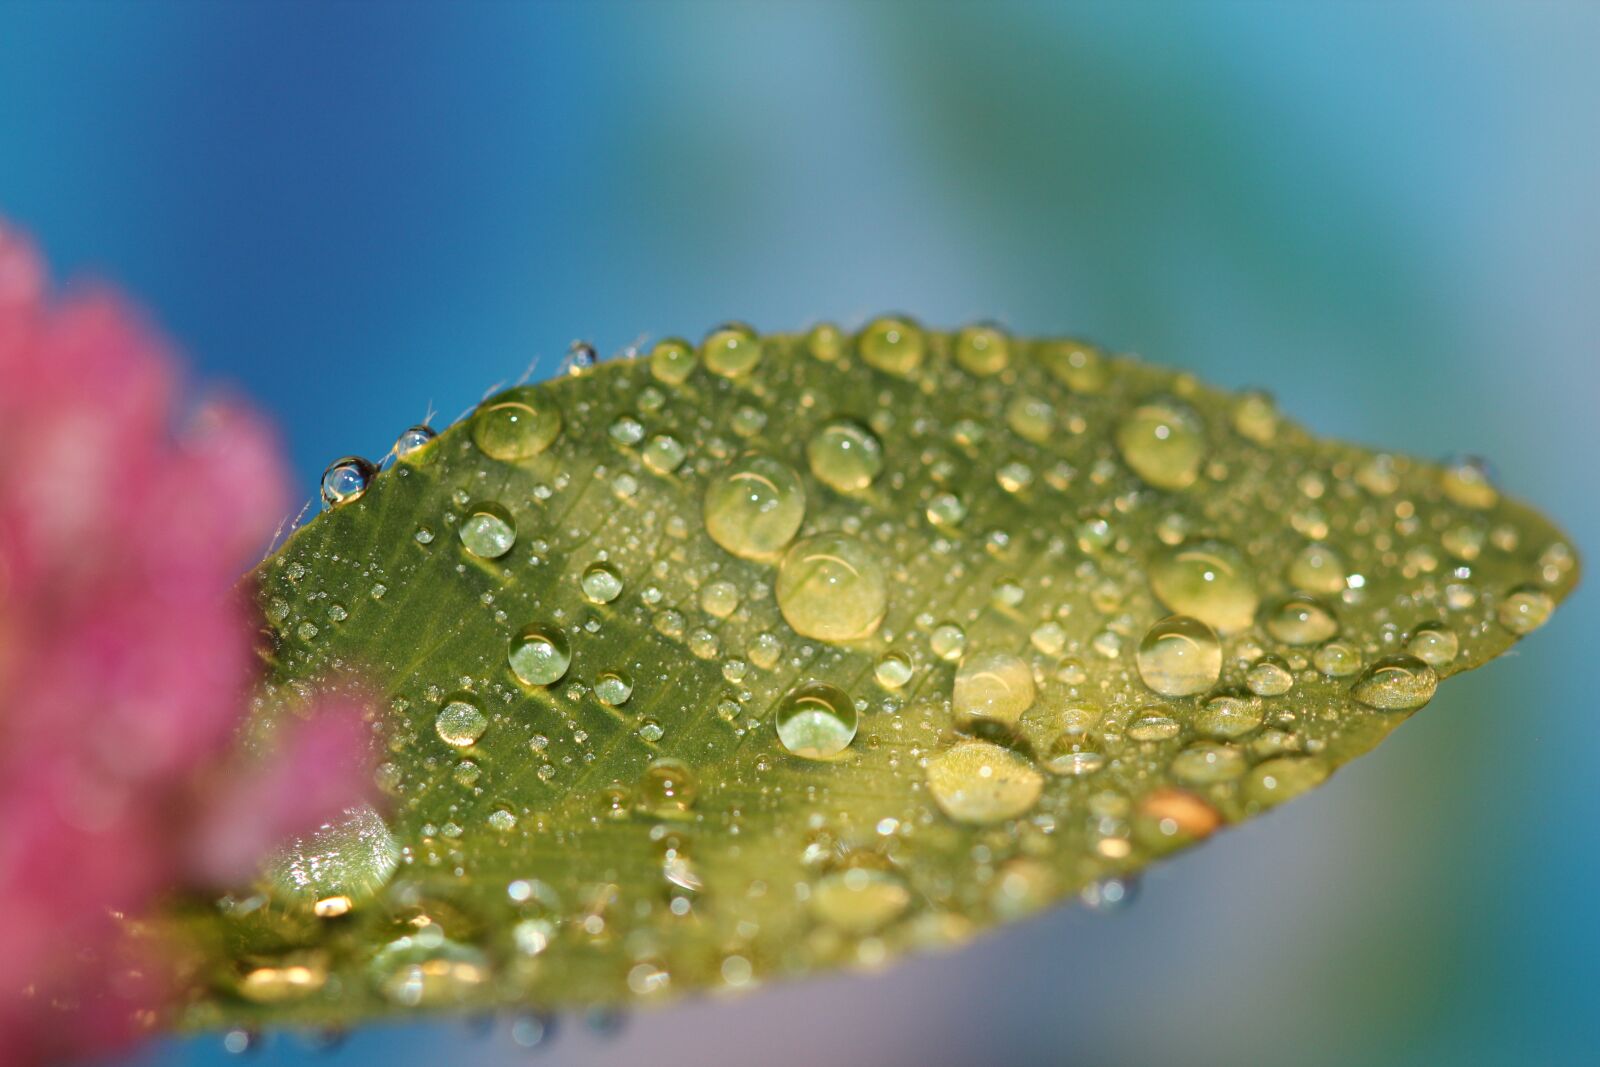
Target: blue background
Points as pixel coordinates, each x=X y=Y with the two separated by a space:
x=358 y=213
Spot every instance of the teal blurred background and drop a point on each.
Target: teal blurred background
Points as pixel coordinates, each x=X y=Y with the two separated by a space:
x=1386 y=213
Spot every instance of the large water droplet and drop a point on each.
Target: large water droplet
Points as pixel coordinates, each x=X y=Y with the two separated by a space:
x=832 y=587
x=1209 y=580
x=516 y=424
x=1434 y=644
x=731 y=350
x=346 y=480
x=667 y=789
x=1163 y=442
x=346 y=861
x=983 y=350
x=979 y=782
x=1180 y=656
x=993 y=686
x=460 y=722
x=845 y=456
x=672 y=360
x=893 y=343
x=539 y=655
x=1396 y=683
x=488 y=531
x=601 y=583
x=816 y=721
x=755 y=507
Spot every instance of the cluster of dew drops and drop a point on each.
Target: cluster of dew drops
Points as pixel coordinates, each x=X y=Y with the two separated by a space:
x=835 y=588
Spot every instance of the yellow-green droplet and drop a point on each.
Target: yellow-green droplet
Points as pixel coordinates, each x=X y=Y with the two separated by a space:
x=1211 y=581
x=672 y=360
x=832 y=587
x=540 y=655
x=979 y=782
x=845 y=456
x=613 y=688
x=1076 y=364
x=1467 y=482
x=992 y=686
x=825 y=341
x=731 y=350
x=1396 y=683
x=516 y=424
x=1525 y=609
x=860 y=900
x=893 y=670
x=983 y=350
x=893 y=344
x=1180 y=656
x=346 y=860
x=1074 y=755
x=755 y=507
x=1163 y=442
x=1301 y=620
x=1435 y=644
x=488 y=531
x=816 y=721
x=667 y=789
x=601 y=583
x=1277 y=780
x=460 y=722
x=1319 y=569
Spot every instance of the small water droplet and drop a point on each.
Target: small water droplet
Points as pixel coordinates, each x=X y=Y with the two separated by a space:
x=350 y=858
x=1301 y=620
x=601 y=583
x=413 y=440
x=346 y=480
x=1284 y=778
x=1396 y=683
x=539 y=655
x=1434 y=644
x=983 y=350
x=845 y=456
x=1525 y=609
x=1209 y=580
x=993 y=686
x=613 y=688
x=667 y=789
x=1469 y=483
x=1076 y=364
x=860 y=899
x=518 y=423
x=731 y=350
x=979 y=782
x=816 y=721
x=1318 y=568
x=488 y=531
x=672 y=360
x=1075 y=754
x=825 y=341
x=460 y=722
x=1337 y=659
x=893 y=344
x=1180 y=656
x=893 y=670
x=1163 y=442
x=1269 y=677
x=664 y=453
x=948 y=641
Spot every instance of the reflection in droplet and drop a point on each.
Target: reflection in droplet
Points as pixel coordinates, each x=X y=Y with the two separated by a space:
x=516 y=424
x=816 y=721
x=1180 y=656
x=832 y=587
x=1396 y=683
x=540 y=655
x=346 y=480
x=755 y=507
x=488 y=531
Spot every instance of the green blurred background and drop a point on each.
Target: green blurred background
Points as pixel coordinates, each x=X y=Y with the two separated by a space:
x=1385 y=213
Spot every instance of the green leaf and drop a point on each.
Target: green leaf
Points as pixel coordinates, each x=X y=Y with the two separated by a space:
x=741 y=662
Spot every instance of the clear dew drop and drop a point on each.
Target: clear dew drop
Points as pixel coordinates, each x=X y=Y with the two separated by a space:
x=1525 y=609
x=346 y=480
x=1269 y=677
x=978 y=782
x=845 y=456
x=1337 y=659
x=825 y=342
x=816 y=721
x=1228 y=717
x=893 y=344
x=1318 y=568
x=1209 y=580
x=413 y=440
x=460 y=722
x=1163 y=442
x=1396 y=683
x=832 y=587
x=1435 y=644
x=948 y=641
x=731 y=350
x=601 y=583
x=488 y=531
x=613 y=688
x=983 y=350
x=518 y=423
x=347 y=861
x=1301 y=620
x=667 y=789
x=893 y=670
x=539 y=654
x=1074 y=755
x=1180 y=656
x=992 y=686
x=755 y=506
x=672 y=360
x=860 y=899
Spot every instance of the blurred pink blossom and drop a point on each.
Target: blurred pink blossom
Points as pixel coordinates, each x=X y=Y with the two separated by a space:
x=126 y=659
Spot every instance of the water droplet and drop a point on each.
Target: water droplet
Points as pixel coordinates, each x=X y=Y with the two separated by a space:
x=1153 y=724
x=413 y=440
x=719 y=599
x=425 y=969
x=1168 y=817
x=488 y=531
x=1075 y=754
x=1269 y=677
x=502 y=819
x=350 y=859
x=1163 y=442
x=1284 y=778
x=1109 y=895
x=979 y=782
x=948 y=641
x=816 y=721
x=1525 y=609
x=1468 y=483
x=1209 y=580
x=860 y=899
x=1255 y=417
x=284 y=980
x=1301 y=620
x=992 y=687
x=1434 y=644
x=1180 y=656
x=845 y=456
x=516 y=424
x=539 y=655
x=1207 y=762
x=672 y=360
x=601 y=583
x=983 y=350
x=613 y=688
x=755 y=507
x=664 y=453
x=667 y=789
x=946 y=510
x=893 y=670
x=824 y=341
x=346 y=480
x=1396 y=683
x=893 y=344
x=832 y=587
x=1319 y=569
x=1076 y=364
x=1337 y=660
x=1228 y=717
x=731 y=350
x=460 y=722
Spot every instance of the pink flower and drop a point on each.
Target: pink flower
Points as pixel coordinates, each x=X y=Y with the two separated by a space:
x=126 y=659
